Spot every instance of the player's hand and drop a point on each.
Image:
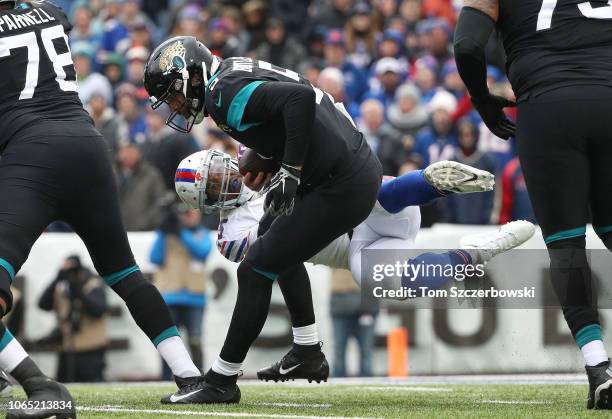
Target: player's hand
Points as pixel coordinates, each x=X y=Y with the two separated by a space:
x=491 y=109
x=281 y=192
x=256 y=183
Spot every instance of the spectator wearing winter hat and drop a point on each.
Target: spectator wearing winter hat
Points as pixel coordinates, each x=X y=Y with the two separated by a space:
x=136 y=60
x=438 y=141
x=278 y=48
x=190 y=21
x=475 y=209
x=360 y=34
x=425 y=77
x=139 y=35
x=130 y=112
x=381 y=138
x=388 y=77
x=407 y=115
x=220 y=41
x=113 y=68
x=355 y=79
x=89 y=82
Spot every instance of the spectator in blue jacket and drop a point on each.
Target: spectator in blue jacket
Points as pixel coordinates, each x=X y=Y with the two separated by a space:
x=439 y=140
x=355 y=79
x=180 y=250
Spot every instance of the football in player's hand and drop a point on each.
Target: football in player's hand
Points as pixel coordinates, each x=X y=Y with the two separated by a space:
x=251 y=162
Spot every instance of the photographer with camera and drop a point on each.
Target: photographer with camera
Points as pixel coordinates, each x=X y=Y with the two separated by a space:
x=78 y=298
x=180 y=250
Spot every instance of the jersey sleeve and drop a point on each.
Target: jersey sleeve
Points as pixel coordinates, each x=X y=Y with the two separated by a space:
x=238 y=231
x=57 y=12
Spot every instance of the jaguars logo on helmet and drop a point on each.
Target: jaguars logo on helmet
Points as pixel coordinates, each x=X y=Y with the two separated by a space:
x=178 y=71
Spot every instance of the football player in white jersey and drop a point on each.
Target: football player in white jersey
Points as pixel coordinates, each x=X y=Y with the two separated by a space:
x=210 y=181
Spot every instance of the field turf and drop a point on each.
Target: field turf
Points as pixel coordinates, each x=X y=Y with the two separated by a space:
x=376 y=400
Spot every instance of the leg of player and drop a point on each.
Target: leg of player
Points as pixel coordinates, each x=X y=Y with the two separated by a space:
x=566 y=168
x=423 y=186
x=96 y=218
x=474 y=249
x=305 y=360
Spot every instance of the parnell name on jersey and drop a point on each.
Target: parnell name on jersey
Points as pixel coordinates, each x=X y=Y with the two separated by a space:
x=11 y=21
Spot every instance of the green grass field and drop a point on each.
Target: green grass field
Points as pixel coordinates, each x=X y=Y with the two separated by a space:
x=339 y=400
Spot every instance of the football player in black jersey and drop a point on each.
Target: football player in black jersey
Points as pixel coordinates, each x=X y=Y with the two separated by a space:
x=327 y=184
x=55 y=165
x=560 y=66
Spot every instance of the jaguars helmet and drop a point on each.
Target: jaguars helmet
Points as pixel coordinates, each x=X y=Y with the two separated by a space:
x=180 y=66
x=209 y=180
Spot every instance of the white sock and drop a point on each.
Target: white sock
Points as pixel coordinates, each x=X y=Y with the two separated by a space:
x=226 y=368
x=174 y=352
x=12 y=355
x=594 y=353
x=306 y=335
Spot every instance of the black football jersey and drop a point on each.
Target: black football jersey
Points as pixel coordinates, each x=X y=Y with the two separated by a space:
x=37 y=75
x=231 y=95
x=556 y=43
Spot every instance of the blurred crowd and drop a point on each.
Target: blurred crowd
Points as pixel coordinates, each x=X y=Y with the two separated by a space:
x=389 y=61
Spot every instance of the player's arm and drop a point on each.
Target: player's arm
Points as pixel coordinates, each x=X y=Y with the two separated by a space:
x=295 y=105
x=475 y=25
x=236 y=234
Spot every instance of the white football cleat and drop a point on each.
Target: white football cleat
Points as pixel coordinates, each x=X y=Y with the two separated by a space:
x=483 y=247
x=452 y=176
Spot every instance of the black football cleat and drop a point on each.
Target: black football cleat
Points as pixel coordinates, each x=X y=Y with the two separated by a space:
x=600 y=386
x=46 y=399
x=200 y=390
x=297 y=365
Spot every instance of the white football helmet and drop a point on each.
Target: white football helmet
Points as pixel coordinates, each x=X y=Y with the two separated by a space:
x=209 y=180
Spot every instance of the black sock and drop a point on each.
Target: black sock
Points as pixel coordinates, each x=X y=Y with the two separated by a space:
x=25 y=370
x=220 y=379
x=250 y=313
x=307 y=351
x=295 y=286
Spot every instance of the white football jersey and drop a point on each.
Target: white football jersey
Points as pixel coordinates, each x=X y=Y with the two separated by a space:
x=238 y=230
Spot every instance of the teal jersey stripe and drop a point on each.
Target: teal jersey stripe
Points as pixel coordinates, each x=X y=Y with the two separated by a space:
x=602 y=230
x=168 y=333
x=567 y=234
x=238 y=105
x=588 y=334
x=268 y=275
x=112 y=279
x=6 y=339
x=9 y=268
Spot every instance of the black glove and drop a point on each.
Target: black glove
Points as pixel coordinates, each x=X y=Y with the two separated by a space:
x=282 y=189
x=490 y=109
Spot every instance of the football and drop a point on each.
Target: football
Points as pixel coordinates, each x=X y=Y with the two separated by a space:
x=252 y=162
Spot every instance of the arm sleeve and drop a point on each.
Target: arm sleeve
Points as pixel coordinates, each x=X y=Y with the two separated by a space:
x=199 y=247
x=158 y=255
x=295 y=103
x=471 y=36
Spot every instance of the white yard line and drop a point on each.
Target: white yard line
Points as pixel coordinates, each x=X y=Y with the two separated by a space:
x=515 y=402
x=405 y=388
x=103 y=409
x=309 y=405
